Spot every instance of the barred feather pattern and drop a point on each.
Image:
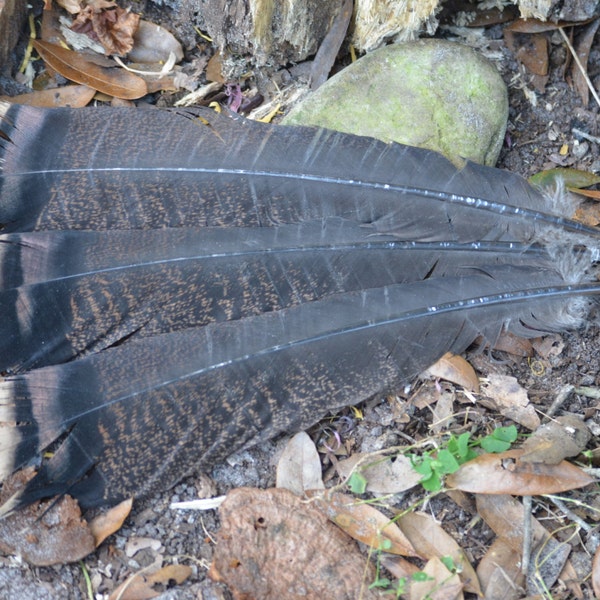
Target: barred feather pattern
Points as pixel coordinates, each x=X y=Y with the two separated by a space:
x=178 y=284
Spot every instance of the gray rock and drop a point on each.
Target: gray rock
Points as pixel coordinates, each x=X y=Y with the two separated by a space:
x=430 y=93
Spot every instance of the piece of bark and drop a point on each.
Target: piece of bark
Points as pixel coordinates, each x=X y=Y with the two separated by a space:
x=12 y=17
x=269 y=31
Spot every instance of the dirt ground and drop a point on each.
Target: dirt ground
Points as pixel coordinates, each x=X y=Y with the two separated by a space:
x=540 y=125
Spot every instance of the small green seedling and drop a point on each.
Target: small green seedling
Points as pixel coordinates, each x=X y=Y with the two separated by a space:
x=434 y=465
x=499 y=440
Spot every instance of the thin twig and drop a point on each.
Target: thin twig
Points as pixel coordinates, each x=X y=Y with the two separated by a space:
x=570 y=514
x=527 y=502
x=561 y=397
x=579 y=65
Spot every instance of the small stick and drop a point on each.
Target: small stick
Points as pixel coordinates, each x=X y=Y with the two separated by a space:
x=581 y=67
x=562 y=395
x=527 y=502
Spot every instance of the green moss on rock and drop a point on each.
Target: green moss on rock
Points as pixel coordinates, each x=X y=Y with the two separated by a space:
x=430 y=93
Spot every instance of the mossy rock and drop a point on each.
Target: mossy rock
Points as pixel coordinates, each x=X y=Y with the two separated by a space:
x=429 y=93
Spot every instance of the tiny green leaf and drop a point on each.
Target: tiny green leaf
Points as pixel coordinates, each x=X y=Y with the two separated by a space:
x=463 y=445
x=446 y=461
x=401 y=587
x=357 y=483
x=448 y=562
x=421 y=576
x=385 y=544
x=506 y=434
x=433 y=483
x=491 y=444
x=384 y=582
x=423 y=465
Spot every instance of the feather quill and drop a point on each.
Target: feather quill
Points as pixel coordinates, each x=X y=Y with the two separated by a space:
x=122 y=169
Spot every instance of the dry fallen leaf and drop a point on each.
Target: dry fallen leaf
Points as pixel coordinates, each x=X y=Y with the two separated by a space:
x=75 y=67
x=441 y=585
x=499 y=572
x=364 y=523
x=154 y=44
x=274 y=545
x=455 y=369
x=505 y=516
x=532 y=51
x=506 y=473
x=596 y=573
x=574 y=179
x=71 y=6
x=214 y=68
x=384 y=475
x=431 y=541
x=141 y=586
x=73 y=96
x=50 y=532
x=504 y=394
x=561 y=438
x=584 y=46
x=443 y=411
x=299 y=467
x=112 y=520
x=513 y=344
x=588 y=214
x=571 y=580
x=548 y=346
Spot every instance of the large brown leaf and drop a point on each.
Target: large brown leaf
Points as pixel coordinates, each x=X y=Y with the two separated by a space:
x=505 y=473
x=431 y=541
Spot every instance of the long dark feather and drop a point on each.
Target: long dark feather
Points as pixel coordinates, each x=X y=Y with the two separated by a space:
x=199 y=283
x=121 y=169
x=66 y=294
x=198 y=395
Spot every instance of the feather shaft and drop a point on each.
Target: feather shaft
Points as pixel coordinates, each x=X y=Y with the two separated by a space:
x=216 y=171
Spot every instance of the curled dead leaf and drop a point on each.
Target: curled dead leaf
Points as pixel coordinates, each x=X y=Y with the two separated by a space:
x=112 y=520
x=109 y=24
x=75 y=67
x=455 y=369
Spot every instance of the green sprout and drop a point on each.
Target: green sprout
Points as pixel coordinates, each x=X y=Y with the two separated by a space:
x=434 y=465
